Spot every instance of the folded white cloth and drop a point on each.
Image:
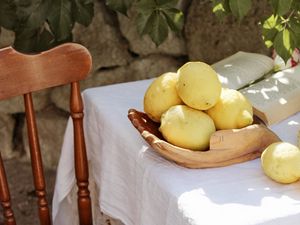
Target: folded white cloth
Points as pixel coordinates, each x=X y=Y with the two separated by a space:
x=139 y=187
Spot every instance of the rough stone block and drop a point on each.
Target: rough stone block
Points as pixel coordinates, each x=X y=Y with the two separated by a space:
x=7 y=124
x=174 y=45
x=142 y=68
x=51 y=124
x=210 y=40
x=103 y=39
x=6 y=37
x=16 y=104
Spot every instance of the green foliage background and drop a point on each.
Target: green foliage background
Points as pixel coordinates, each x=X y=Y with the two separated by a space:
x=281 y=30
x=42 y=24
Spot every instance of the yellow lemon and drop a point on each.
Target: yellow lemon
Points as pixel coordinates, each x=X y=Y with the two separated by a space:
x=187 y=127
x=281 y=162
x=198 y=85
x=233 y=110
x=161 y=95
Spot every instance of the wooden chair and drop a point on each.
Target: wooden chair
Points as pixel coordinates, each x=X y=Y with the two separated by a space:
x=22 y=74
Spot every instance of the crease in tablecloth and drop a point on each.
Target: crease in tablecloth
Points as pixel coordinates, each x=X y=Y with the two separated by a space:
x=65 y=179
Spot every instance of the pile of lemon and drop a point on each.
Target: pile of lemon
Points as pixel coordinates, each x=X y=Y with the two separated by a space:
x=191 y=105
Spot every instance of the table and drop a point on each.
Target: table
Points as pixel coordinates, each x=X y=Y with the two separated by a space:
x=139 y=187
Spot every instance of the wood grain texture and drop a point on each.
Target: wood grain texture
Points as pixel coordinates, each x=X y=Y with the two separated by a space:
x=226 y=147
x=81 y=165
x=22 y=74
x=36 y=161
x=8 y=214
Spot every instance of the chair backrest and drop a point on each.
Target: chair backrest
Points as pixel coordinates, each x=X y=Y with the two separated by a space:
x=22 y=74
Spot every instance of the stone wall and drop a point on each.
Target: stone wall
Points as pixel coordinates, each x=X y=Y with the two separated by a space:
x=120 y=55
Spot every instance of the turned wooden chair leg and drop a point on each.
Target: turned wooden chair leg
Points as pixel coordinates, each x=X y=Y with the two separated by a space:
x=36 y=162
x=8 y=214
x=81 y=163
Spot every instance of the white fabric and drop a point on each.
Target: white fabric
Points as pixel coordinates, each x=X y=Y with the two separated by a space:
x=140 y=187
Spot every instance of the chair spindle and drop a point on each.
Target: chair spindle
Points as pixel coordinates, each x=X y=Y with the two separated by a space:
x=8 y=214
x=81 y=164
x=36 y=159
x=34 y=73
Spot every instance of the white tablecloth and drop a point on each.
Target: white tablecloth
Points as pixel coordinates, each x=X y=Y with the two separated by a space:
x=139 y=187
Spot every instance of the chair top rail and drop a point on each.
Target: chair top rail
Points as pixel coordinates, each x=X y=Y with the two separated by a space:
x=23 y=73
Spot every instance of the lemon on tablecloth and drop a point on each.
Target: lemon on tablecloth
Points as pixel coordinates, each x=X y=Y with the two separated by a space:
x=281 y=162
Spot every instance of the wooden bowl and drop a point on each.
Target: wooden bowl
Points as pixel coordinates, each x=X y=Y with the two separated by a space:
x=227 y=147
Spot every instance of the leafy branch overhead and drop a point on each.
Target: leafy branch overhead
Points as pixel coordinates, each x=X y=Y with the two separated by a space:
x=281 y=30
x=154 y=18
x=42 y=24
